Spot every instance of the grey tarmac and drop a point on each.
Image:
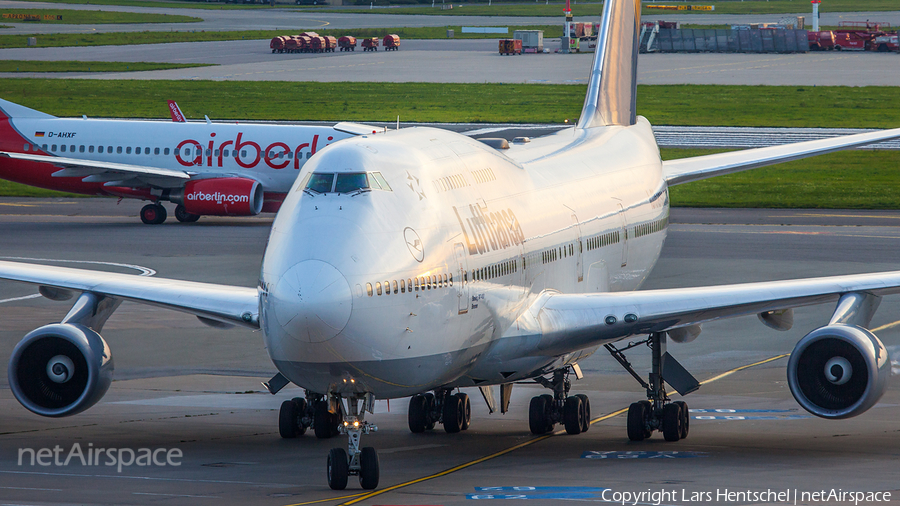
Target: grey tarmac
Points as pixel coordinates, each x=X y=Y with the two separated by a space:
x=182 y=385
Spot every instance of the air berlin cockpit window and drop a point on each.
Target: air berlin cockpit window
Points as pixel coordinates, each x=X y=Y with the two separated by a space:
x=320 y=183
x=351 y=182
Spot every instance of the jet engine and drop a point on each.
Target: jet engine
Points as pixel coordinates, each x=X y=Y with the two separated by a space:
x=838 y=371
x=60 y=369
x=227 y=196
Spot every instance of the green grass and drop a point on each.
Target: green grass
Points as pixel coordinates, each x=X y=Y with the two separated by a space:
x=844 y=180
x=169 y=4
x=790 y=106
x=582 y=10
x=89 y=66
x=78 y=17
x=10 y=189
x=123 y=38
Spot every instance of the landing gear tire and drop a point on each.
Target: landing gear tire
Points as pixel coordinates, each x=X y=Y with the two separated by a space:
x=586 y=405
x=289 y=418
x=416 y=415
x=573 y=415
x=685 y=418
x=429 y=408
x=672 y=422
x=183 y=216
x=153 y=214
x=453 y=414
x=637 y=421
x=338 y=469
x=539 y=415
x=467 y=410
x=324 y=424
x=368 y=468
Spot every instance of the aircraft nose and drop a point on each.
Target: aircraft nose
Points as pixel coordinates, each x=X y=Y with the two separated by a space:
x=312 y=301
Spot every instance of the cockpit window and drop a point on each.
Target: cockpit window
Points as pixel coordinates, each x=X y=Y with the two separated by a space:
x=351 y=182
x=320 y=183
x=381 y=181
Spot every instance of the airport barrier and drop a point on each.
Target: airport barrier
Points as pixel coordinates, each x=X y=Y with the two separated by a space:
x=724 y=41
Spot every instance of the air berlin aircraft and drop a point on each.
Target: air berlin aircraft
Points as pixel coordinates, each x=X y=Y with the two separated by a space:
x=205 y=168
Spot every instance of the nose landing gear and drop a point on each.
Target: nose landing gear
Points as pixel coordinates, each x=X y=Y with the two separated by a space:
x=362 y=462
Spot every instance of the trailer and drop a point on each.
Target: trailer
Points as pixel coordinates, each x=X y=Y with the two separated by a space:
x=292 y=44
x=347 y=43
x=370 y=44
x=510 y=46
x=391 y=42
x=330 y=43
x=277 y=44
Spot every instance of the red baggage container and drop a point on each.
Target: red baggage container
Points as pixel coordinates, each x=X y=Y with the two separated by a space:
x=316 y=44
x=330 y=44
x=303 y=44
x=277 y=44
x=292 y=44
x=347 y=43
x=370 y=44
x=309 y=34
x=391 y=42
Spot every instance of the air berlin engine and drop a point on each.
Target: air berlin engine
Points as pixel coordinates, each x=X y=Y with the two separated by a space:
x=230 y=196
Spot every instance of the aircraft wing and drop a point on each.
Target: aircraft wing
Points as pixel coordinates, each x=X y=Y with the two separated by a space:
x=570 y=322
x=227 y=304
x=685 y=170
x=113 y=174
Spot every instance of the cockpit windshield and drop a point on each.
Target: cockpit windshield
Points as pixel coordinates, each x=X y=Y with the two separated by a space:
x=344 y=182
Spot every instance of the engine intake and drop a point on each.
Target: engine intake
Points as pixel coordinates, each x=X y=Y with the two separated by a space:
x=838 y=371
x=60 y=369
x=224 y=196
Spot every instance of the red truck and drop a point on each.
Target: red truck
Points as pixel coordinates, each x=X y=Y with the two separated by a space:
x=391 y=42
x=277 y=44
x=347 y=43
x=510 y=46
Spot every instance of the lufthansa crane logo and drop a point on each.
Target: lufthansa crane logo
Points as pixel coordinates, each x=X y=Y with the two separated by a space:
x=416 y=248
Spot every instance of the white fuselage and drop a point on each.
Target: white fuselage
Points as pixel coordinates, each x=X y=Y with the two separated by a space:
x=400 y=291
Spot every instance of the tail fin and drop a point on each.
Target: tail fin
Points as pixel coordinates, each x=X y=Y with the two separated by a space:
x=612 y=88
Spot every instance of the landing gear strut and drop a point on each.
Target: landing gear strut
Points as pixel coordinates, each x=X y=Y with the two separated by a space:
x=360 y=462
x=545 y=411
x=658 y=412
x=443 y=406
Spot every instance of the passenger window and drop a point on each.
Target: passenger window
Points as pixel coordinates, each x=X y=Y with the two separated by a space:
x=378 y=287
x=72 y=148
x=347 y=183
x=155 y=151
x=445 y=280
x=146 y=151
x=451 y=280
x=289 y=155
x=417 y=284
x=320 y=183
x=90 y=149
x=208 y=152
x=434 y=281
x=81 y=149
x=387 y=287
x=402 y=286
x=396 y=287
x=243 y=153
x=27 y=147
x=166 y=151
x=177 y=151
x=217 y=153
x=422 y=282
x=62 y=148
x=369 y=289
x=128 y=150
x=45 y=147
x=53 y=147
x=409 y=284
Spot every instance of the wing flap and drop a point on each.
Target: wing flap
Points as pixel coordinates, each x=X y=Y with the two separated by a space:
x=685 y=170
x=223 y=303
x=571 y=322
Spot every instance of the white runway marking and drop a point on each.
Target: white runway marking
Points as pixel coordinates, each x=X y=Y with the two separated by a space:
x=21 y=298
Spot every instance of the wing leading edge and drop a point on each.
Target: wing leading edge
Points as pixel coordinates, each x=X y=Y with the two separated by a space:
x=685 y=170
x=570 y=322
x=228 y=304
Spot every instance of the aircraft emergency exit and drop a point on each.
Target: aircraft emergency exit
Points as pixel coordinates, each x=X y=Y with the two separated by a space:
x=205 y=168
x=444 y=263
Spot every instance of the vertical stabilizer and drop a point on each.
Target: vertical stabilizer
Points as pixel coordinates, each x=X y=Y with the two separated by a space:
x=612 y=87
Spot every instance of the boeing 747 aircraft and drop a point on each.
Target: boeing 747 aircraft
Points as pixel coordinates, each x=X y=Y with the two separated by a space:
x=445 y=263
x=205 y=168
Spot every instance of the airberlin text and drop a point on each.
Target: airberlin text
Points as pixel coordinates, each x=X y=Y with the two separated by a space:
x=246 y=153
x=489 y=231
x=725 y=495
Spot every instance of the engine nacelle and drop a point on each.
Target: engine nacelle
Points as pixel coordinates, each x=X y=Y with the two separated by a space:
x=838 y=371
x=60 y=369
x=225 y=196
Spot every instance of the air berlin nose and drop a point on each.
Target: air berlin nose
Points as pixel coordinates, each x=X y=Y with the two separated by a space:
x=312 y=301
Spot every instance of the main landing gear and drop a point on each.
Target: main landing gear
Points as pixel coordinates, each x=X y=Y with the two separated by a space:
x=545 y=411
x=328 y=418
x=452 y=410
x=153 y=214
x=658 y=412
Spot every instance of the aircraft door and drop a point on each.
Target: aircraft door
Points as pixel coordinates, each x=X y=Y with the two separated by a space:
x=579 y=258
x=462 y=286
x=624 y=235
